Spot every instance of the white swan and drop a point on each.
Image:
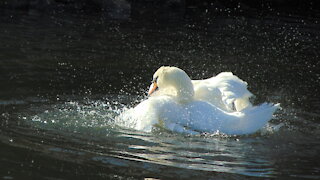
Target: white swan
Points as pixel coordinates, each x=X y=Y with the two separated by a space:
x=217 y=104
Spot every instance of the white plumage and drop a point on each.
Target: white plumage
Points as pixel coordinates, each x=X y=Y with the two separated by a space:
x=217 y=104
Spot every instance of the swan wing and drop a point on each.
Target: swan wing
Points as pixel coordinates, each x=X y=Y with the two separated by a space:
x=225 y=90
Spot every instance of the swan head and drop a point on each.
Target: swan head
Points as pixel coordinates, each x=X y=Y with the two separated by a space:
x=172 y=81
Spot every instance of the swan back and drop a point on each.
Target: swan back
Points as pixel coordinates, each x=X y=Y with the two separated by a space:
x=225 y=90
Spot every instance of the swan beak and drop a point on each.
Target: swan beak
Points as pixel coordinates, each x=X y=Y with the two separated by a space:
x=152 y=88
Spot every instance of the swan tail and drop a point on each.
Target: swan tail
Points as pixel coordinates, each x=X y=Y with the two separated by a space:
x=255 y=118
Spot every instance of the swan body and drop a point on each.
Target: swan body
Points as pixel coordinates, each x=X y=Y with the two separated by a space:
x=217 y=104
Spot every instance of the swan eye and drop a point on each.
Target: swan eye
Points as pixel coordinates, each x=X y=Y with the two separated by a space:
x=155 y=79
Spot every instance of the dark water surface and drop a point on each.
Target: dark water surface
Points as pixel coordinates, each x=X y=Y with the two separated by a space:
x=64 y=80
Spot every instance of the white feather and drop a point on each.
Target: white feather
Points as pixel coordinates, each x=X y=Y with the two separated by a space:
x=220 y=103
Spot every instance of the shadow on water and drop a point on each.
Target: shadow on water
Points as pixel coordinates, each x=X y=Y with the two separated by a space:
x=64 y=80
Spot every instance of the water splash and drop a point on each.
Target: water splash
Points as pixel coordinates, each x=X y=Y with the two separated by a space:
x=91 y=117
x=115 y=142
x=98 y=117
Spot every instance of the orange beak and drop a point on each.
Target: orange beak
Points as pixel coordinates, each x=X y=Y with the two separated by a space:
x=152 y=88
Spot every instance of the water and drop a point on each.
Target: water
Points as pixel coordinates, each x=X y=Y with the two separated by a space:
x=64 y=80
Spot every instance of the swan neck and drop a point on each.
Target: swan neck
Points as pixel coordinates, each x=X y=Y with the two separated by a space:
x=185 y=91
